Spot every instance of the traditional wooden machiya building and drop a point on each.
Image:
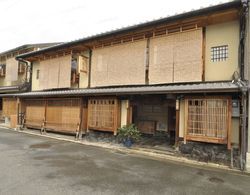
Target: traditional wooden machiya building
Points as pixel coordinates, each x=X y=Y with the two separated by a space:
x=183 y=75
x=14 y=77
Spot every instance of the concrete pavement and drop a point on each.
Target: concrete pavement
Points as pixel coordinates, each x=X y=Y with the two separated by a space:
x=39 y=165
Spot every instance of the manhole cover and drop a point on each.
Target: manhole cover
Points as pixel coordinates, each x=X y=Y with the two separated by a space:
x=42 y=145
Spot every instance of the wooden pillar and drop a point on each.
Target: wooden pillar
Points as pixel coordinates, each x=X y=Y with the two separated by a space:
x=186 y=121
x=177 y=121
x=229 y=137
x=129 y=113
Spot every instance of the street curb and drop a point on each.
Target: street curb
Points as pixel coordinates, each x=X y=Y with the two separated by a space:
x=140 y=151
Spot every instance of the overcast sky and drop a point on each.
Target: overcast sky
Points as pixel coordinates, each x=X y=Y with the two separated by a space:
x=40 y=21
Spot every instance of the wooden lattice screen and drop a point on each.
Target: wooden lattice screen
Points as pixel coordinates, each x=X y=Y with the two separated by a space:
x=34 y=113
x=63 y=114
x=9 y=106
x=102 y=114
x=208 y=119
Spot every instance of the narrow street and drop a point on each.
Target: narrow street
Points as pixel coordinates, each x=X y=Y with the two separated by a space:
x=38 y=165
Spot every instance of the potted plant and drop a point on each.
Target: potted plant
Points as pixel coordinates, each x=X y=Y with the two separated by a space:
x=128 y=134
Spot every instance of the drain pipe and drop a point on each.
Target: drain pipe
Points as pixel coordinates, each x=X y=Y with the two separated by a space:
x=243 y=85
x=89 y=69
x=27 y=70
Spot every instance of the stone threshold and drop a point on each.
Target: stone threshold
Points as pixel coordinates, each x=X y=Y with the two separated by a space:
x=135 y=150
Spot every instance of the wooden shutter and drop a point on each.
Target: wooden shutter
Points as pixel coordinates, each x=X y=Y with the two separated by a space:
x=63 y=114
x=34 y=113
x=9 y=107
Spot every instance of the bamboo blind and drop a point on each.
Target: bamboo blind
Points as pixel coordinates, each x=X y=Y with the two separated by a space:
x=102 y=114
x=9 y=106
x=176 y=57
x=55 y=73
x=11 y=69
x=119 y=64
x=35 y=113
x=208 y=119
x=63 y=114
x=188 y=56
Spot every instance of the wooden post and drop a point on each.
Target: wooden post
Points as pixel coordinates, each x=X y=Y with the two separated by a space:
x=129 y=113
x=18 y=106
x=186 y=121
x=80 y=119
x=43 y=129
x=177 y=121
x=117 y=115
x=203 y=52
x=88 y=110
x=229 y=124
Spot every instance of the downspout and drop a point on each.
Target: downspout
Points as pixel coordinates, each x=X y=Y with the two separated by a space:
x=241 y=82
x=89 y=69
x=24 y=85
x=28 y=70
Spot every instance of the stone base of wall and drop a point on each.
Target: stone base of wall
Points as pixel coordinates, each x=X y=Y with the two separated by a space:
x=207 y=152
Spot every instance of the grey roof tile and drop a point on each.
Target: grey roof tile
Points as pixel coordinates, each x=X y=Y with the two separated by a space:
x=150 y=89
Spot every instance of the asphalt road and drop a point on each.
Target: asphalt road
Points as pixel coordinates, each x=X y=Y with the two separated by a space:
x=37 y=165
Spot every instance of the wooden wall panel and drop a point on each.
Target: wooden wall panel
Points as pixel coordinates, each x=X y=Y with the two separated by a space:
x=63 y=114
x=119 y=65
x=11 y=70
x=35 y=113
x=9 y=107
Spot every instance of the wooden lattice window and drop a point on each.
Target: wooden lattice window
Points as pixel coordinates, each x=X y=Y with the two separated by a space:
x=102 y=114
x=208 y=119
x=219 y=53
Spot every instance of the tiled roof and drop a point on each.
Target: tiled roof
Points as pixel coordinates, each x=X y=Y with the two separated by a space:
x=150 y=89
x=168 y=19
x=42 y=45
x=9 y=89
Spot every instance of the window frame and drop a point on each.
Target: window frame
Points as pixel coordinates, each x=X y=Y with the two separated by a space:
x=219 y=53
x=205 y=138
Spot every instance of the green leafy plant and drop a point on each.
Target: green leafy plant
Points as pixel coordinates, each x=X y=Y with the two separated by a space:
x=129 y=132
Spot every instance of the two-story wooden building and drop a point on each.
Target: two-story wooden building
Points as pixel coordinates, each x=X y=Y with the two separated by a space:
x=182 y=75
x=15 y=76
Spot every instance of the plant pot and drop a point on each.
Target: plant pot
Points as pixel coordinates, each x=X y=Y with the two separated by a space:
x=128 y=142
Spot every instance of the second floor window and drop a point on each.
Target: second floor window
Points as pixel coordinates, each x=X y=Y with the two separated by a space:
x=219 y=53
x=2 y=70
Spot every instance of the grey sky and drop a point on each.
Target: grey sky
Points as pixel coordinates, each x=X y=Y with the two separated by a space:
x=38 y=21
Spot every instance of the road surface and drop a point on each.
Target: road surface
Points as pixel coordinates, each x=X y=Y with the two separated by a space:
x=38 y=165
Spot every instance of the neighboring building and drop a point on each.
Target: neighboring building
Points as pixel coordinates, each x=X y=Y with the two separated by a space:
x=180 y=75
x=15 y=75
